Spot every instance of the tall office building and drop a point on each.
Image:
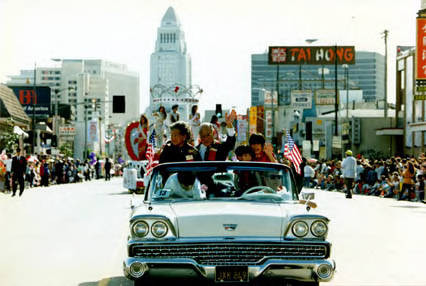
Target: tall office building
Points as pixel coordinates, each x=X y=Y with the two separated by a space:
x=170 y=66
x=89 y=87
x=366 y=74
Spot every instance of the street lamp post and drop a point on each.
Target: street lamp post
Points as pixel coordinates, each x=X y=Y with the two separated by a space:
x=385 y=36
x=85 y=129
x=346 y=67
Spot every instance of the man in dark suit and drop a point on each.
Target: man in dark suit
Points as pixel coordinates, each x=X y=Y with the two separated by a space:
x=211 y=150
x=216 y=151
x=19 y=167
x=107 y=168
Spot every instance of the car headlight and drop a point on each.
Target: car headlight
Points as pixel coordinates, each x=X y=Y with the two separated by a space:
x=159 y=229
x=140 y=229
x=300 y=229
x=319 y=228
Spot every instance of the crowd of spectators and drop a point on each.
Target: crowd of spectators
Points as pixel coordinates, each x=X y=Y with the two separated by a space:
x=402 y=178
x=45 y=170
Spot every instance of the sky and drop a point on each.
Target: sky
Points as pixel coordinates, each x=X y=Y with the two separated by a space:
x=221 y=35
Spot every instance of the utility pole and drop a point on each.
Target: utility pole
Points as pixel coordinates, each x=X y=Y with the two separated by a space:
x=336 y=96
x=385 y=36
x=272 y=102
x=33 y=105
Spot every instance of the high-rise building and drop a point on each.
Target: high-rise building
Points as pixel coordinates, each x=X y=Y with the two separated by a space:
x=89 y=87
x=171 y=67
x=367 y=74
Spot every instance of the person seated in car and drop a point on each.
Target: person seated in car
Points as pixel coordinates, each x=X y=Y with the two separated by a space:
x=178 y=149
x=184 y=185
x=243 y=179
x=211 y=150
x=244 y=153
x=262 y=152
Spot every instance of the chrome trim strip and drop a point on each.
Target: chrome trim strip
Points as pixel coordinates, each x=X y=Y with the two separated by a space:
x=302 y=270
x=229 y=253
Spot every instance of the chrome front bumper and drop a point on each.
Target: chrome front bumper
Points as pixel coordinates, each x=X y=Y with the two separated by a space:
x=291 y=269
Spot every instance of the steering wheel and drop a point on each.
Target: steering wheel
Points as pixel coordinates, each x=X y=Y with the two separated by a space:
x=259 y=188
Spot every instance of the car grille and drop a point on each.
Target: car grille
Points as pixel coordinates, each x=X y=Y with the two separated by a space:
x=229 y=254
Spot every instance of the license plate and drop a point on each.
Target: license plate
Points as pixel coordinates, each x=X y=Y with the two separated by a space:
x=231 y=273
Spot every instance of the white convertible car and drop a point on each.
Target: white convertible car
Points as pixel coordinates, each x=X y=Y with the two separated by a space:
x=222 y=222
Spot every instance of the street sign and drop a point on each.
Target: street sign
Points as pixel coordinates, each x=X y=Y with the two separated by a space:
x=252 y=120
x=315 y=145
x=92 y=131
x=271 y=98
x=268 y=129
x=306 y=148
x=301 y=99
x=337 y=142
x=326 y=96
x=242 y=127
x=312 y=55
x=68 y=130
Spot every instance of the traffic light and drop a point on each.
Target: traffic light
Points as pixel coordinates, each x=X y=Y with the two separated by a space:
x=118 y=104
x=54 y=142
x=219 y=110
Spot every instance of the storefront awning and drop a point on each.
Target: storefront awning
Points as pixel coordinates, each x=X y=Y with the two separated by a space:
x=11 y=109
x=19 y=131
x=390 y=131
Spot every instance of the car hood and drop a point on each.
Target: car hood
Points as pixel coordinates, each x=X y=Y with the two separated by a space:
x=229 y=219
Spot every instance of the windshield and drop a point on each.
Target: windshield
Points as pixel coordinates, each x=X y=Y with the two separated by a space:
x=221 y=182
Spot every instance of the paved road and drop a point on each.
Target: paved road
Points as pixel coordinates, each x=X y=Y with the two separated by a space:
x=75 y=235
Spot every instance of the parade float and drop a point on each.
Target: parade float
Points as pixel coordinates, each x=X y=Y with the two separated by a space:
x=136 y=142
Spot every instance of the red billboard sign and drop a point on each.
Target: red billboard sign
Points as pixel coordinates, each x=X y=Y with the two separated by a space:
x=312 y=55
x=421 y=49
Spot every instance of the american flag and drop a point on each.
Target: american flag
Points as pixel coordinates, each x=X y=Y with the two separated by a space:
x=292 y=153
x=150 y=152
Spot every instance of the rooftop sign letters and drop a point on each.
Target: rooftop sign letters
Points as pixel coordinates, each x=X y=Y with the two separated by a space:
x=312 y=55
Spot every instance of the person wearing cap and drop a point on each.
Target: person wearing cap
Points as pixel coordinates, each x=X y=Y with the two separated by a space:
x=349 y=172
